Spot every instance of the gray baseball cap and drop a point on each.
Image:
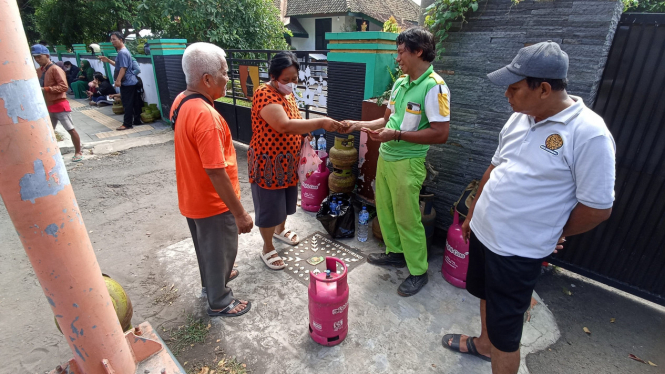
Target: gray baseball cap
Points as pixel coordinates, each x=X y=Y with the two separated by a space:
x=542 y=60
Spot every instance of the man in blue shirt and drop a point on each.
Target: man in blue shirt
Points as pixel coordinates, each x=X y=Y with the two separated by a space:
x=126 y=79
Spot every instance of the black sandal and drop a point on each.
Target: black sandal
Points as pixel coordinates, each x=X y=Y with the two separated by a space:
x=470 y=346
x=225 y=312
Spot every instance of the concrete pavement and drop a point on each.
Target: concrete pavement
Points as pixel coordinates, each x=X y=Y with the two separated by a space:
x=387 y=333
x=97 y=124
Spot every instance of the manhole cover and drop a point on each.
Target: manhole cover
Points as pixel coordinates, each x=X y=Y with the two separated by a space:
x=310 y=255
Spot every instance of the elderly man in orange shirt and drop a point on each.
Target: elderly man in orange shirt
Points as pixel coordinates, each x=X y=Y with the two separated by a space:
x=207 y=177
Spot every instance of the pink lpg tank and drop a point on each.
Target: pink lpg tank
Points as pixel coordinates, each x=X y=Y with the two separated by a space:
x=328 y=304
x=315 y=188
x=456 y=258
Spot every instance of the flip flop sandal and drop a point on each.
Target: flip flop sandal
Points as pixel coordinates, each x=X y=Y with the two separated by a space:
x=270 y=261
x=225 y=312
x=77 y=158
x=470 y=346
x=288 y=239
x=234 y=276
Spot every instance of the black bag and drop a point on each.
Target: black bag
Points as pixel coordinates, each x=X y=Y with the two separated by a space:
x=340 y=226
x=464 y=203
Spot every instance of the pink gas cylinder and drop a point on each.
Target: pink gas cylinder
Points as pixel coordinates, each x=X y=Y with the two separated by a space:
x=328 y=304
x=456 y=258
x=315 y=188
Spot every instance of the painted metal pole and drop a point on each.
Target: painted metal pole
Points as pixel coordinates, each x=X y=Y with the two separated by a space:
x=38 y=195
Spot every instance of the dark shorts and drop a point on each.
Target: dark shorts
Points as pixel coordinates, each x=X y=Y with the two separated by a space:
x=506 y=283
x=272 y=206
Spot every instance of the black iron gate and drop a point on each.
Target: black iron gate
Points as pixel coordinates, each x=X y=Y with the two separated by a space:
x=628 y=251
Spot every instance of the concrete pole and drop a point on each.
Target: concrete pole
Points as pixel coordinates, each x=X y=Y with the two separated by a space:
x=35 y=188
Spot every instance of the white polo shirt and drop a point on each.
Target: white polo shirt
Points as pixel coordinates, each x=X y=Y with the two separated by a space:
x=542 y=170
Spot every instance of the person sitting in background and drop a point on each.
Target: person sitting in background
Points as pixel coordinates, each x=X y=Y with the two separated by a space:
x=109 y=100
x=103 y=88
x=85 y=76
x=71 y=72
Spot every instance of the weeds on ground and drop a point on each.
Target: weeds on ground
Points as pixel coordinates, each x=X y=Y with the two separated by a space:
x=224 y=366
x=167 y=295
x=195 y=330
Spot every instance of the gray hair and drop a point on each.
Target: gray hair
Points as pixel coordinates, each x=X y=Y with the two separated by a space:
x=202 y=58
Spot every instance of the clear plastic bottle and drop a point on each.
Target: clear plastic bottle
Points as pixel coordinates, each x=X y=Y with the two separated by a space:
x=338 y=207
x=321 y=143
x=313 y=142
x=333 y=206
x=363 y=224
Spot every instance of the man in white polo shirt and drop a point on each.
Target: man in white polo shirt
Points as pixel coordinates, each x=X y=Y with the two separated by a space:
x=552 y=176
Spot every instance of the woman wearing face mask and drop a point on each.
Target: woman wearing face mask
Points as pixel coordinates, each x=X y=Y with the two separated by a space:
x=274 y=154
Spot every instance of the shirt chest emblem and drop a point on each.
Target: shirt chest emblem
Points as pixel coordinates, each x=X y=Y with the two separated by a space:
x=553 y=143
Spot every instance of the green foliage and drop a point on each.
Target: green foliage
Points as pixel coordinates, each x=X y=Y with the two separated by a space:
x=82 y=21
x=391 y=26
x=242 y=24
x=647 y=6
x=442 y=13
x=27 y=10
x=136 y=46
x=395 y=73
x=64 y=22
x=236 y=24
x=239 y=102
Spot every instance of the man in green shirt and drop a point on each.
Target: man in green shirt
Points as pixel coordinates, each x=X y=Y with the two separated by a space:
x=418 y=115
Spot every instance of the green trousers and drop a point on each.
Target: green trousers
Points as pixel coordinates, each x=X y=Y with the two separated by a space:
x=398 y=185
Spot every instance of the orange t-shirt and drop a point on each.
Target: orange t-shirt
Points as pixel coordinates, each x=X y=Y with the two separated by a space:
x=202 y=141
x=272 y=157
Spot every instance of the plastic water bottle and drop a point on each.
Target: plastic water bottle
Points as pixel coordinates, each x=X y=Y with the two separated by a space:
x=321 y=143
x=333 y=206
x=313 y=142
x=338 y=207
x=363 y=224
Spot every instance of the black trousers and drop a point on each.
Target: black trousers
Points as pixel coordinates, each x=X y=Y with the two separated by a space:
x=216 y=245
x=506 y=283
x=132 y=102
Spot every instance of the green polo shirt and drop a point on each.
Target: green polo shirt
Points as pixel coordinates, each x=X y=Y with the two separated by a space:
x=414 y=104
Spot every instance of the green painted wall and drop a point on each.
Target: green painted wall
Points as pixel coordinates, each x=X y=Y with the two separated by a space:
x=373 y=55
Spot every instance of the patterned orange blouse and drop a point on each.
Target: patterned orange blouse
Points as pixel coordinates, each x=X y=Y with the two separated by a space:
x=273 y=157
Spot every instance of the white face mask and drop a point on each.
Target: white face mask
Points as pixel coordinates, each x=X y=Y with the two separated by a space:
x=286 y=89
x=67 y=69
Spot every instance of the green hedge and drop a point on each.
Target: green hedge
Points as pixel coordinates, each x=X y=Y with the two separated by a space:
x=229 y=100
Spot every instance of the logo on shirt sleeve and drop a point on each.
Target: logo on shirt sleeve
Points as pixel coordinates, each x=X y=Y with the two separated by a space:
x=552 y=144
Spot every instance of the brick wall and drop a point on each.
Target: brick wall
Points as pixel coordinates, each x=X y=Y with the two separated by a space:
x=489 y=41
